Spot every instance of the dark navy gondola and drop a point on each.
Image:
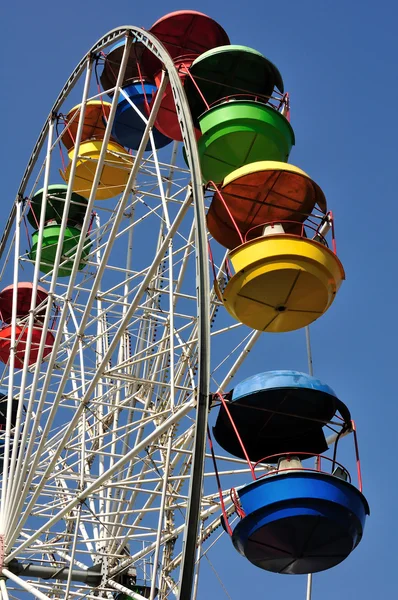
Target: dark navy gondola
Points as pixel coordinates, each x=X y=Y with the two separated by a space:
x=293 y=519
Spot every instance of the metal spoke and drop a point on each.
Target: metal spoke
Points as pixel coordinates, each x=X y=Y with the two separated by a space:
x=105 y=468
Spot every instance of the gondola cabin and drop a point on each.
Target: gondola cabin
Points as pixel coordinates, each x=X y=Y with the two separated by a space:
x=134 y=68
x=129 y=580
x=55 y=206
x=51 y=236
x=23 y=302
x=167 y=120
x=276 y=412
x=95 y=118
x=114 y=173
x=259 y=193
x=299 y=522
x=238 y=132
x=3 y=421
x=231 y=72
x=117 y=164
x=183 y=32
x=296 y=518
x=142 y=590
x=4 y=409
x=130 y=121
x=281 y=281
x=21 y=335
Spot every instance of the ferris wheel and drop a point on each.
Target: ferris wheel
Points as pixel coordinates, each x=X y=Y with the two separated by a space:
x=158 y=231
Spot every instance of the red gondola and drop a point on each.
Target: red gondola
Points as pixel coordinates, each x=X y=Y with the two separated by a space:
x=24 y=298
x=21 y=334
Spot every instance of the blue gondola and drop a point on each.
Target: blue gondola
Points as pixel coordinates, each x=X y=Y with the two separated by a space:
x=299 y=522
x=294 y=519
x=128 y=126
x=279 y=411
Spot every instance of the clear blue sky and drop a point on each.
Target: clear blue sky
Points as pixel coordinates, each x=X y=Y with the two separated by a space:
x=338 y=60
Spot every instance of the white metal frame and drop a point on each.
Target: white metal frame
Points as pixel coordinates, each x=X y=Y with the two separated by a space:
x=111 y=426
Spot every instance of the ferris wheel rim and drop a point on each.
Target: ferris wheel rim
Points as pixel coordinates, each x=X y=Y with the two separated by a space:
x=202 y=275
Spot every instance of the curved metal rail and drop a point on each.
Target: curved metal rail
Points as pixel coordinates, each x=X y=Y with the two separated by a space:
x=202 y=274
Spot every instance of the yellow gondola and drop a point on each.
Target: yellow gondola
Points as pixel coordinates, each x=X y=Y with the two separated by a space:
x=115 y=171
x=282 y=282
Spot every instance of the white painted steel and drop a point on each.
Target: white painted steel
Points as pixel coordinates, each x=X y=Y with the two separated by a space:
x=105 y=462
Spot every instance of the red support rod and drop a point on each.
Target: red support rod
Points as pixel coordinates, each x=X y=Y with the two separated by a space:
x=187 y=72
x=224 y=512
x=34 y=214
x=228 y=211
x=237 y=435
